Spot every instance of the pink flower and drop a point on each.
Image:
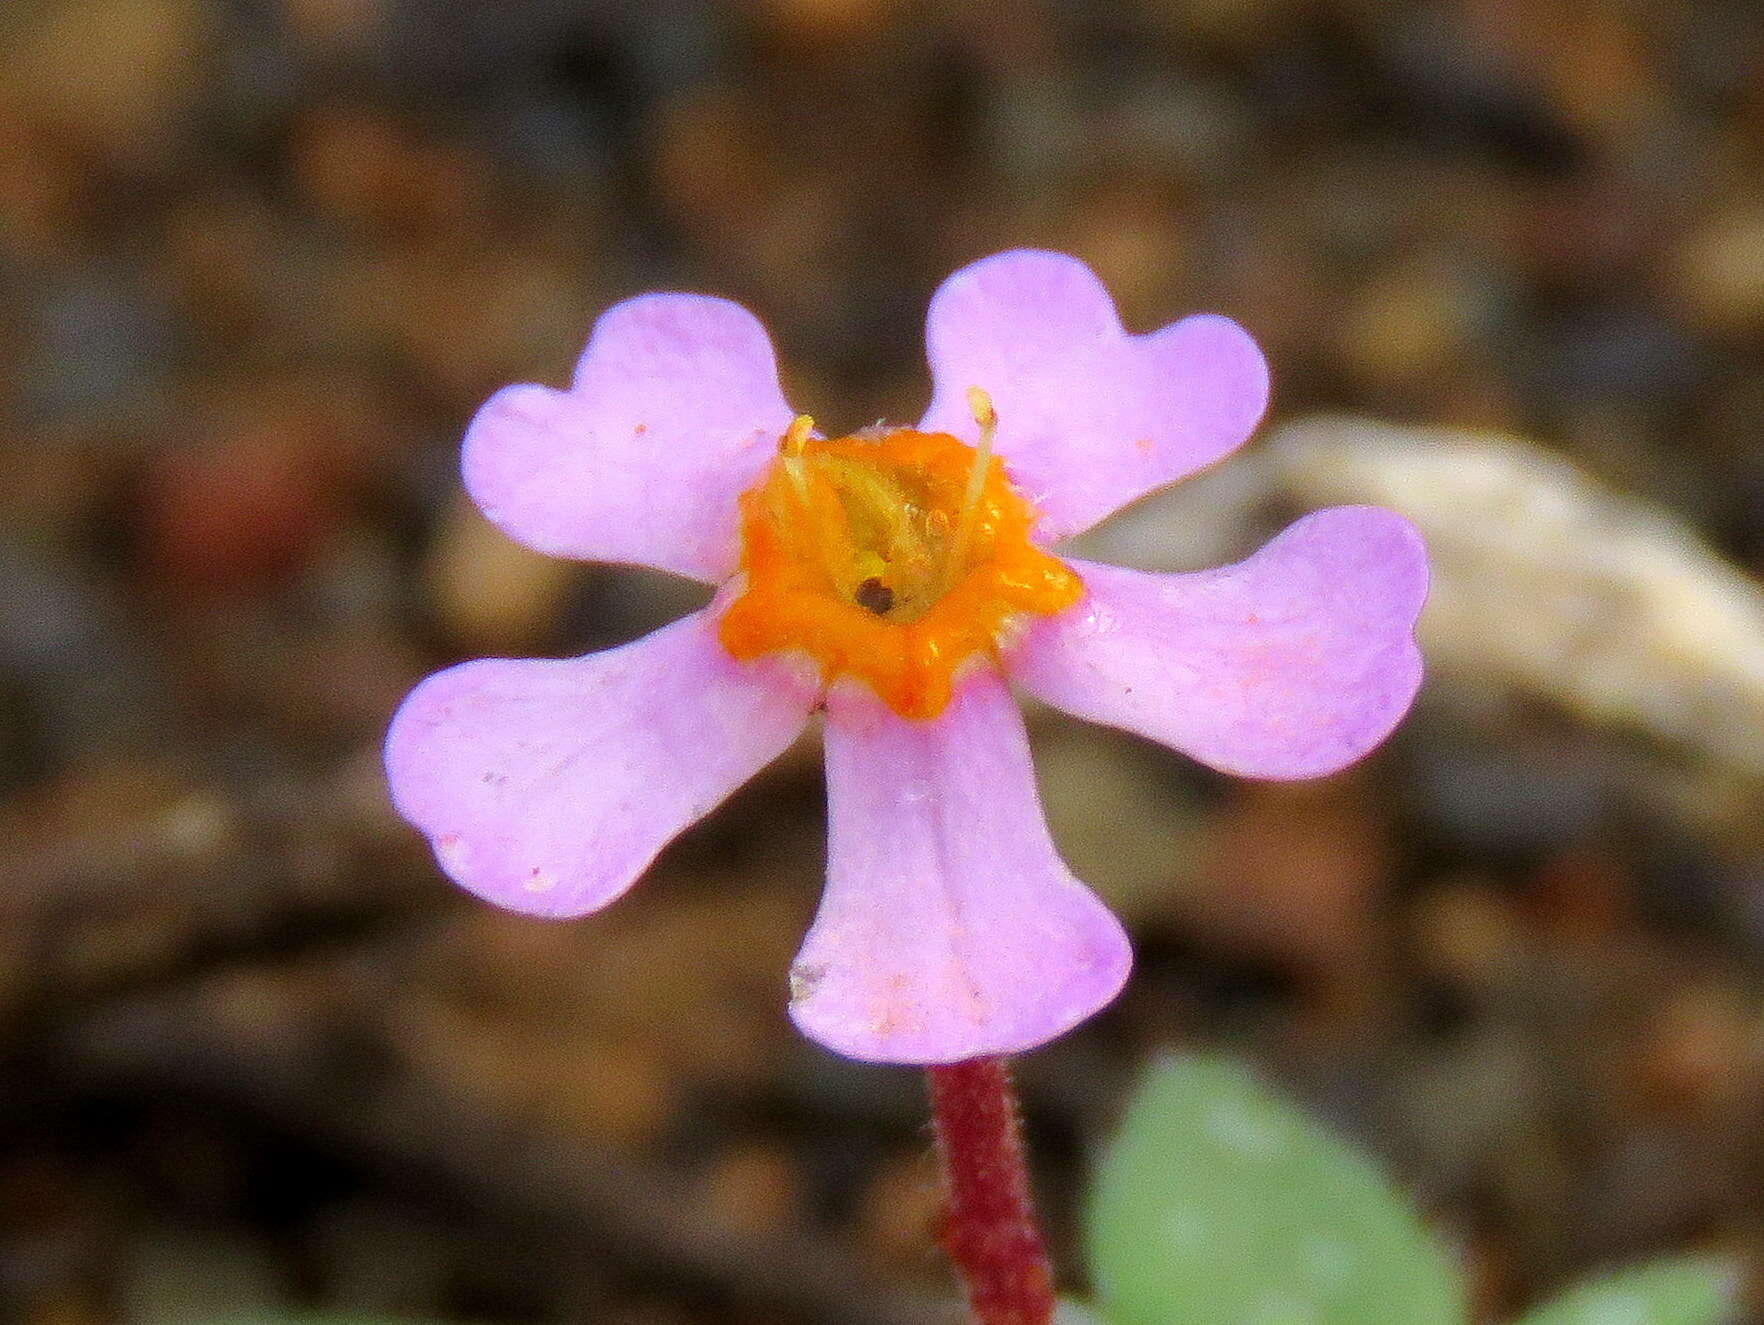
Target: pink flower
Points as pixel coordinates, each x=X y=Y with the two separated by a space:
x=896 y=579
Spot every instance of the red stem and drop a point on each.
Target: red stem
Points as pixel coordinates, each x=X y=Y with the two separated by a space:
x=989 y=1226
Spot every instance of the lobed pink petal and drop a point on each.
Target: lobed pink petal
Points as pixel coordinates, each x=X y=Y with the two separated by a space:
x=548 y=786
x=950 y=927
x=1291 y=664
x=1089 y=417
x=674 y=411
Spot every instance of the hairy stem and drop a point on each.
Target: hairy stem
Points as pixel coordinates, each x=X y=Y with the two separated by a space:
x=989 y=1225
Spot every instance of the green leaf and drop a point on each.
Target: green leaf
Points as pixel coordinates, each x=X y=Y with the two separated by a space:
x=1221 y=1204
x=1685 y=1291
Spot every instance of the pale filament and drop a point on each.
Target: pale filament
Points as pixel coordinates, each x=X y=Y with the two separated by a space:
x=795 y=436
x=980 y=405
x=791 y=445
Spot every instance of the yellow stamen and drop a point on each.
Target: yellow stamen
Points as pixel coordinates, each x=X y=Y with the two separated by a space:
x=797 y=434
x=792 y=447
x=889 y=557
x=794 y=440
x=980 y=405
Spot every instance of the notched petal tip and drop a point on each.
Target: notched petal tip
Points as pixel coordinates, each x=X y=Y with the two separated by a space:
x=1066 y=988
x=463 y=781
x=672 y=413
x=666 y=327
x=950 y=927
x=509 y=426
x=1216 y=349
x=1382 y=561
x=1090 y=416
x=1291 y=664
x=1059 y=294
x=548 y=786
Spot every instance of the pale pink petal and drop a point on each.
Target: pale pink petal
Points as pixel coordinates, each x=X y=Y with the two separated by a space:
x=950 y=927
x=674 y=411
x=1290 y=664
x=548 y=786
x=1089 y=417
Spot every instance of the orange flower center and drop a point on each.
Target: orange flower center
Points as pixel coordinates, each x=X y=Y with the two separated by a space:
x=892 y=558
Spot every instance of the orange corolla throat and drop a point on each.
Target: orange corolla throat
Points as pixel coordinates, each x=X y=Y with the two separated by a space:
x=891 y=557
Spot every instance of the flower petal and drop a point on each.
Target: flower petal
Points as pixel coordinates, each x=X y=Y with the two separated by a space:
x=674 y=411
x=1089 y=417
x=548 y=786
x=1290 y=664
x=950 y=927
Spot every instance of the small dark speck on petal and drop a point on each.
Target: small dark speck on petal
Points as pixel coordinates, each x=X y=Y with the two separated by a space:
x=804 y=979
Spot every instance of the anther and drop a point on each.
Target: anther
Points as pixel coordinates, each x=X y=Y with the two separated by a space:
x=796 y=434
x=791 y=446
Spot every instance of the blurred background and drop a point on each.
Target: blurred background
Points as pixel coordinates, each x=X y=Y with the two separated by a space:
x=260 y=260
